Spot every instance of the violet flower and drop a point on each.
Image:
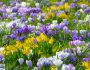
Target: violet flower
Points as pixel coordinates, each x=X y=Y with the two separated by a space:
x=1 y=57
x=29 y=63
x=21 y=61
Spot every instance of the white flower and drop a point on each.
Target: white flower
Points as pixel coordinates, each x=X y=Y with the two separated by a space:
x=81 y=10
x=81 y=22
x=54 y=21
x=83 y=31
x=2 y=49
x=53 y=25
x=64 y=67
x=23 y=4
x=29 y=19
x=62 y=54
x=37 y=4
x=87 y=18
x=57 y=62
x=8 y=10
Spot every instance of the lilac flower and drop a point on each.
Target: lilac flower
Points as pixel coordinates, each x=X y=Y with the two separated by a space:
x=59 y=3
x=14 y=25
x=76 y=43
x=88 y=35
x=21 y=61
x=18 y=1
x=61 y=25
x=1 y=3
x=74 y=35
x=84 y=6
x=35 y=41
x=23 y=19
x=0 y=18
x=75 y=21
x=14 y=9
x=1 y=57
x=72 y=58
x=81 y=37
x=13 y=3
x=88 y=45
x=82 y=32
x=22 y=38
x=5 y=15
x=86 y=59
x=71 y=43
x=50 y=32
x=38 y=32
x=29 y=63
x=68 y=67
x=72 y=5
x=74 y=0
x=65 y=29
x=65 y=21
x=87 y=10
x=44 y=62
x=64 y=0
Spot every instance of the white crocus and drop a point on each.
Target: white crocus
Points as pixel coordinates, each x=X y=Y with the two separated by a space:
x=23 y=4
x=58 y=62
x=37 y=4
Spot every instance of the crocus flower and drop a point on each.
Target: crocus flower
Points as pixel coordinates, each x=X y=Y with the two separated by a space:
x=1 y=57
x=65 y=29
x=72 y=5
x=21 y=61
x=83 y=32
x=57 y=62
x=88 y=35
x=87 y=10
x=88 y=45
x=44 y=62
x=68 y=67
x=74 y=0
x=29 y=63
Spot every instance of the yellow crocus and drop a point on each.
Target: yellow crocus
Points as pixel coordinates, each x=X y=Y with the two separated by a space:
x=38 y=39
x=53 y=7
x=26 y=51
x=86 y=64
x=51 y=40
x=66 y=6
x=60 y=7
x=63 y=16
x=53 y=68
x=43 y=37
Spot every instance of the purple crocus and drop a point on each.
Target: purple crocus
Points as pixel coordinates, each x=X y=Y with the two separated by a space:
x=29 y=63
x=74 y=35
x=23 y=19
x=72 y=5
x=74 y=0
x=88 y=45
x=14 y=9
x=5 y=15
x=21 y=61
x=59 y=3
x=75 y=21
x=1 y=57
x=88 y=35
x=65 y=29
x=85 y=59
x=35 y=41
x=87 y=10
